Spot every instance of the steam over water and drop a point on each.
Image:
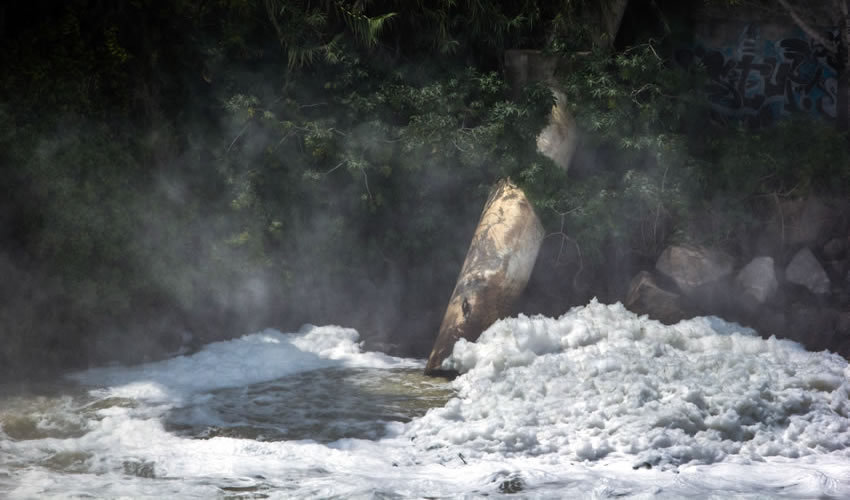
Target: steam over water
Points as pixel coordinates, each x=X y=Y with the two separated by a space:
x=596 y=404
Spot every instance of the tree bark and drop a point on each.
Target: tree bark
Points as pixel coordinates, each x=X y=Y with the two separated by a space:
x=805 y=26
x=612 y=16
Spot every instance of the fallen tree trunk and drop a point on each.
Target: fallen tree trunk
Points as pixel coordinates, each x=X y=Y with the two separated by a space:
x=497 y=267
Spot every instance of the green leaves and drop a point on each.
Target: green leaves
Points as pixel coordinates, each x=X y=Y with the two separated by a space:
x=389 y=154
x=665 y=170
x=364 y=28
x=639 y=189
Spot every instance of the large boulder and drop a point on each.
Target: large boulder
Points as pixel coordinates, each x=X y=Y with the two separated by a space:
x=807 y=222
x=693 y=267
x=805 y=270
x=496 y=270
x=647 y=297
x=796 y=222
x=757 y=281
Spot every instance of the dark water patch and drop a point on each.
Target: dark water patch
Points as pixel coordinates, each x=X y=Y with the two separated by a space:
x=140 y=468
x=73 y=462
x=246 y=491
x=512 y=485
x=509 y=482
x=376 y=495
x=20 y=427
x=50 y=411
x=321 y=405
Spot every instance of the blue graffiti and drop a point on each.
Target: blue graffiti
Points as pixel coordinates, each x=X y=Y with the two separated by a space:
x=761 y=80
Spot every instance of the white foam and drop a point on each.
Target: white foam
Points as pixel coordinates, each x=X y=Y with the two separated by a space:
x=598 y=403
x=600 y=382
x=259 y=357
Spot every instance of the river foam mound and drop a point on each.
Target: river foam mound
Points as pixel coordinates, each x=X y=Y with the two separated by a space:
x=600 y=382
x=598 y=403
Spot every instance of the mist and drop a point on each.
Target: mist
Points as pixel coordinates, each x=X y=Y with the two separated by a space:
x=145 y=224
x=189 y=174
x=230 y=233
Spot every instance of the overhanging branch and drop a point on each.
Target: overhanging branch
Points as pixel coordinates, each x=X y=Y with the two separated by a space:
x=805 y=26
x=273 y=17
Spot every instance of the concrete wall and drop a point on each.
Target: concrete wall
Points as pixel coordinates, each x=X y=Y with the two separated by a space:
x=761 y=65
x=763 y=68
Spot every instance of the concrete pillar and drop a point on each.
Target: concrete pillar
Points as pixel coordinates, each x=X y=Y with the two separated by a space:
x=497 y=267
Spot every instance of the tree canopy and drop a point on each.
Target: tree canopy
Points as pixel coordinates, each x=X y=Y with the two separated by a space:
x=184 y=171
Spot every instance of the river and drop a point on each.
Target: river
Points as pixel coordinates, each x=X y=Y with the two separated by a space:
x=598 y=403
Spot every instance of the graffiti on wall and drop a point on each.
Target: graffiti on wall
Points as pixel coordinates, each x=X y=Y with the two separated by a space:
x=759 y=80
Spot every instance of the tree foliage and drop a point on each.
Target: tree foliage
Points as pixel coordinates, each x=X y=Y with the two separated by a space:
x=195 y=165
x=215 y=166
x=663 y=171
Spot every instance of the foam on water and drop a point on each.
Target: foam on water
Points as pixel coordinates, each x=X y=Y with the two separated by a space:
x=259 y=357
x=600 y=381
x=598 y=403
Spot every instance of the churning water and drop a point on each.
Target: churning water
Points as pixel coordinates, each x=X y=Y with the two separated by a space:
x=596 y=404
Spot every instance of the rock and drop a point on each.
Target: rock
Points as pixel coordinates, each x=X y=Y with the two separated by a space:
x=797 y=222
x=815 y=328
x=692 y=267
x=757 y=280
x=841 y=342
x=810 y=223
x=496 y=270
x=771 y=322
x=843 y=324
x=646 y=297
x=837 y=269
x=558 y=140
x=804 y=269
x=835 y=249
x=843 y=348
x=841 y=298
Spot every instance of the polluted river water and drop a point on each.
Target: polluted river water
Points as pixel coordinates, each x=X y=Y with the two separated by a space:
x=598 y=403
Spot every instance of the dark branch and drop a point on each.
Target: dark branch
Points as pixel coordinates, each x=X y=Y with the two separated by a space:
x=805 y=26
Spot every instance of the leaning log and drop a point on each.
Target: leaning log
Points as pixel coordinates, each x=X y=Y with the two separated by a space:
x=497 y=267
